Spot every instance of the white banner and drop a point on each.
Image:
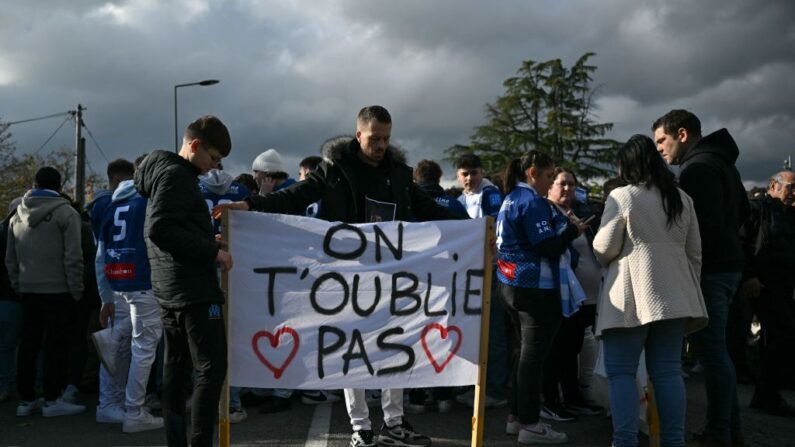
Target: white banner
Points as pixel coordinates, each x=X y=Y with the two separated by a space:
x=325 y=305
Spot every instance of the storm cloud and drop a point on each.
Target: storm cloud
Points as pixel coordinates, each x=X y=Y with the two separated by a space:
x=295 y=73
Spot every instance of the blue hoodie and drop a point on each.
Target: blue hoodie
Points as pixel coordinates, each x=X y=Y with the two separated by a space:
x=122 y=263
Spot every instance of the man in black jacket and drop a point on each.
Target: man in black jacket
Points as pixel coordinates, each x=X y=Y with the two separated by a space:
x=768 y=284
x=361 y=179
x=183 y=254
x=708 y=175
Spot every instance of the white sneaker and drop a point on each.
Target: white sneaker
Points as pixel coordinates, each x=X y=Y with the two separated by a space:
x=112 y=414
x=142 y=421
x=28 y=407
x=541 y=433
x=237 y=415
x=71 y=394
x=60 y=407
x=512 y=426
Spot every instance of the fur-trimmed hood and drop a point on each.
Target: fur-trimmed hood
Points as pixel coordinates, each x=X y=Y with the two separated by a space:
x=343 y=146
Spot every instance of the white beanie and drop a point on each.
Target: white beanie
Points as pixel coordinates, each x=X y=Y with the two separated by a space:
x=268 y=161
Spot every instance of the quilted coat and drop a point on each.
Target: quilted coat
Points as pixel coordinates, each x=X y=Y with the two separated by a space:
x=652 y=272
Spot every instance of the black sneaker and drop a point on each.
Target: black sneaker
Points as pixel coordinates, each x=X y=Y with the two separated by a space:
x=582 y=408
x=556 y=412
x=318 y=398
x=402 y=435
x=275 y=404
x=362 y=438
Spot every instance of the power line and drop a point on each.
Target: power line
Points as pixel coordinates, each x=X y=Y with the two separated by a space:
x=39 y=118
x=53 y=134
x=95 y=141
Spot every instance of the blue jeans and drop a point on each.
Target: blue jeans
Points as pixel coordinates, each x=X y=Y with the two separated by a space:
x=234 y=398
x=723 y=411
x=663 y=343
x=10 y=328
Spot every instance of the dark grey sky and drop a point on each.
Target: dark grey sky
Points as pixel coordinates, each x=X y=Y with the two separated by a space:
x=295 y=73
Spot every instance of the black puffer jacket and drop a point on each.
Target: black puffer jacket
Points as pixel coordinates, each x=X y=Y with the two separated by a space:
x=334 y=184
x=709 y=176
x=179 y=235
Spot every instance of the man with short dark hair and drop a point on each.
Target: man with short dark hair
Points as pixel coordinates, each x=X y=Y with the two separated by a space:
x=427 y=175
x=362 y=179
x=118 y=171
x=708 y=175
x=769 y=238
x=44 y=258
x=182 y=254
x=307 y=166
x=481 y=198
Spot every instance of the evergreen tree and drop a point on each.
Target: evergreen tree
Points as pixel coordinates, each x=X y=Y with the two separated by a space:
x=550 y=108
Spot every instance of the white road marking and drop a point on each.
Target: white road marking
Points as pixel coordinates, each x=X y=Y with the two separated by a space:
x=319 y=428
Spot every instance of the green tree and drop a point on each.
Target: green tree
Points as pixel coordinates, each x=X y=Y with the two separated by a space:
x=548 y=107
x=18 y=171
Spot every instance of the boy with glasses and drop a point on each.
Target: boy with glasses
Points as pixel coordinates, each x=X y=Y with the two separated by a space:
x=183 y=253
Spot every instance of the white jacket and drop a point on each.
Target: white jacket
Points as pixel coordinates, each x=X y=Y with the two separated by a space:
x=652 y=272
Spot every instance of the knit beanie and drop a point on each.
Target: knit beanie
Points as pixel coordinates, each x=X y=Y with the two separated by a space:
x=268 y=161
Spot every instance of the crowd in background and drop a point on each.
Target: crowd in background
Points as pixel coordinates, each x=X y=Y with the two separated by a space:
x=660 y=263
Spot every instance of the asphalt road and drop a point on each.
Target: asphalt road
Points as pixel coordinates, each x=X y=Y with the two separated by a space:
x=295 y=427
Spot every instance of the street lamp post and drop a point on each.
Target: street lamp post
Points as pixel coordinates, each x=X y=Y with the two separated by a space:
x=176 y=125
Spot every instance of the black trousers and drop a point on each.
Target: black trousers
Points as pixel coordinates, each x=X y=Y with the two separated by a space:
x=562 y=365
x=776 y=311
x=195 y=339
x=45 y=319
x=535 y=316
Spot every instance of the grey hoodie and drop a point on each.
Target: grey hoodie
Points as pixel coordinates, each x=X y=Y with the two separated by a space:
x=44 y=253
x=216 y=181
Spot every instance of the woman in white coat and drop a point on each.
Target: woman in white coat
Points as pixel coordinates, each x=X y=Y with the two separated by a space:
x=650 y=247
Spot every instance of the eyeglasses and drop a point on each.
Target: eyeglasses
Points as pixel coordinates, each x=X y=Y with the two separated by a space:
x=789 y=186
x=214 y=154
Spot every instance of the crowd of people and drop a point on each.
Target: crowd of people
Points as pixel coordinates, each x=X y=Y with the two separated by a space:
x=665 y=260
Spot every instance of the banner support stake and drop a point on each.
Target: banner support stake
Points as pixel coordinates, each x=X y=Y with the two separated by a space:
x=479 y=410
x=224 y=432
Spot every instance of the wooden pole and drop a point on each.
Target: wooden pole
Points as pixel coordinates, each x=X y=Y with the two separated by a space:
x=224 y=432
x=479 y=411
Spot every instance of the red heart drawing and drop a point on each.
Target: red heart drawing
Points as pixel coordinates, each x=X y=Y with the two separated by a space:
x=444 y=332
x=274 y=342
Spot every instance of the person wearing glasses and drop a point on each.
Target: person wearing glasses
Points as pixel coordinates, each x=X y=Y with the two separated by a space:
x=183 y=253
x=769 y=241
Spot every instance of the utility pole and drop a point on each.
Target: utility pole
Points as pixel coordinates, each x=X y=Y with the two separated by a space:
x=80 y=158
x=788 y=163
